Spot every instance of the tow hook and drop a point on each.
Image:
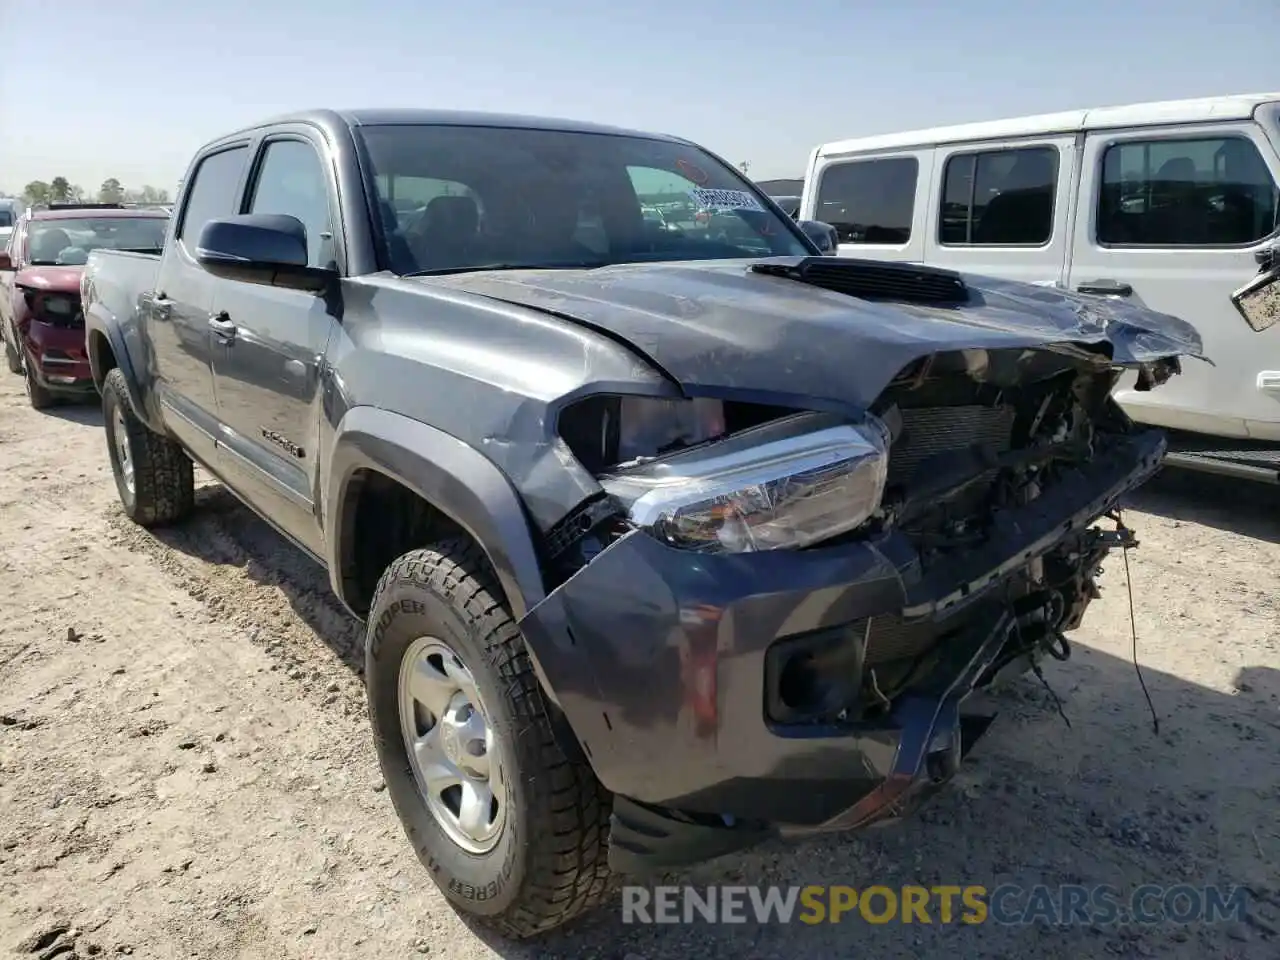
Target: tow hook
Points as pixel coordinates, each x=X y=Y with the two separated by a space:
x=1121 y=536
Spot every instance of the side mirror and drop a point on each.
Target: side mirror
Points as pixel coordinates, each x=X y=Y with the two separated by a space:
x=822 y=234
x=1259 y=300
x=264 y=248
x=6 y=261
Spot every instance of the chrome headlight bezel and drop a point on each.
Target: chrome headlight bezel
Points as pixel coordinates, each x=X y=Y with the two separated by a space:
x=786 y=484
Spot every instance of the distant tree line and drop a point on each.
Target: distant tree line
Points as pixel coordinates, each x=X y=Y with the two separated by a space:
x=60 y=190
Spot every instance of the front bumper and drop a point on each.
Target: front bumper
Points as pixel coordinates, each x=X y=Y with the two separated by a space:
x=58 y=358
x=657 y=659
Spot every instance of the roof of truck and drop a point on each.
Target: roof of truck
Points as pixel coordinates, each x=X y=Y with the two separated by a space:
x=404 y=115
x=1233 y=107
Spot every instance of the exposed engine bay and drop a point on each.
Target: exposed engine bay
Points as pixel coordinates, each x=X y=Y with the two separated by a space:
x=971 y=436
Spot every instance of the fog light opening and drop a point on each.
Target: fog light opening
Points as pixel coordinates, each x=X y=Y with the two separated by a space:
x=799 y=686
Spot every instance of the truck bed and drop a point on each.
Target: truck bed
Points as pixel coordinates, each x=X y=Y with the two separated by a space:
x=115 y=279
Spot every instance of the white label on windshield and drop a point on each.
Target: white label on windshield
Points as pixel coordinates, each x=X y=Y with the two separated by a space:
x=724 y=199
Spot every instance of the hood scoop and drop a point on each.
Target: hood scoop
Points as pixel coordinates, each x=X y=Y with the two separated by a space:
x=873 y=279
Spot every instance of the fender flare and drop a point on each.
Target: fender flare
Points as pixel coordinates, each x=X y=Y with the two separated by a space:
x=460 y=482
x=109 y=326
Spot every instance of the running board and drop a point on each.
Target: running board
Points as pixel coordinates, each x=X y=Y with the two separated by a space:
x=1247 y=460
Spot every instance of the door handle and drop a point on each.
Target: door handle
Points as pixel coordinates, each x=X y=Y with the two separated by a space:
x=1269 y=381
x=161 y=306
x=1109 y=288
x=221 y=325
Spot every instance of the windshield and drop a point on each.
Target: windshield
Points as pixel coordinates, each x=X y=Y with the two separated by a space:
x=68 y=241
x=6 y=218
x=462 y=197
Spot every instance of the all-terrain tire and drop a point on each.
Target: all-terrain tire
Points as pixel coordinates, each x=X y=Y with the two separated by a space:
x=163 y=476
x=11 y=357
x=550 y=863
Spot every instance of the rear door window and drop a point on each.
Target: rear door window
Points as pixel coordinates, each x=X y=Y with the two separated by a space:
x=214 y=192
x=1192 y=192
x=999 y=197
x=869 y=201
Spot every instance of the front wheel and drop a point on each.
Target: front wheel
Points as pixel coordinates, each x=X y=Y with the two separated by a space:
x=154 y=476
x=512 y=830
x=38 y=395
x=11 y=357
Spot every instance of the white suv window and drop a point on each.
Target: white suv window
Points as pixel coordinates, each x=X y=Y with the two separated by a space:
x=1194 y=192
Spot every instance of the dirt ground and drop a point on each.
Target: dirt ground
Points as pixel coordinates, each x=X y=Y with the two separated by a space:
x=186 y=769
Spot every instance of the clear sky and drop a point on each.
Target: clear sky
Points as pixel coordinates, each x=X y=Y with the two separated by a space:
x=130 y=88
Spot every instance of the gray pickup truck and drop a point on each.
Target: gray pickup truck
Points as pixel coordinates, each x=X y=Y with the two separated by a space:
x=666 y=541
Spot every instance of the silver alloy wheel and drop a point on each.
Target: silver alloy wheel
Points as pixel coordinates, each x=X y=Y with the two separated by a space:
x=451 y=745
x=123 y=453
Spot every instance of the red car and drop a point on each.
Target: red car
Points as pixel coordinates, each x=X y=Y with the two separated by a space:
x=40 y=318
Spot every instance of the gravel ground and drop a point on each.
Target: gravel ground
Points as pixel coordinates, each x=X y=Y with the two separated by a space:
x=186 y=770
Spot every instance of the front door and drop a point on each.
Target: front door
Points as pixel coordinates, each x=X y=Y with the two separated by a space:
x=269 y=347
x=176 y=314
x=1173 y=218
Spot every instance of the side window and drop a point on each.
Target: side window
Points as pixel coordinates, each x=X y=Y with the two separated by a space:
x=869 y=201
x=292 y=181
x=1201 y=192
x=664 y=196
x=212 y=193
x=666 y=203
x=1002 y=197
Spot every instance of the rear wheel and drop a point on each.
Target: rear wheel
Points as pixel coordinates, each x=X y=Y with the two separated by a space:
x=512 y=830
x=154 y=476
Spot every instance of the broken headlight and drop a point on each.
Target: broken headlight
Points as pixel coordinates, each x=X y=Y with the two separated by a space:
x=783 y=485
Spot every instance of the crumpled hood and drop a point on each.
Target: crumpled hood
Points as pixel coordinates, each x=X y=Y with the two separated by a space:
x=53 y=279
x=719 y=325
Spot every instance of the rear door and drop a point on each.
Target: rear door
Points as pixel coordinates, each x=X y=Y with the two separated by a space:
x=177 y=314
x=1004 y=209
x=874 y=203
x=269 y=344
x=1173 y=217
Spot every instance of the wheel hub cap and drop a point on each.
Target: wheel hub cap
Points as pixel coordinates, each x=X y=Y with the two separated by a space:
x=451 y=745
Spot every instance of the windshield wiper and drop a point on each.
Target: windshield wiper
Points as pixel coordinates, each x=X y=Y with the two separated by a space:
x=559 y=265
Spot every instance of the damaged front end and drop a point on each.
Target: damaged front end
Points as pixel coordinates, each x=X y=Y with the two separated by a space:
x=771 y=620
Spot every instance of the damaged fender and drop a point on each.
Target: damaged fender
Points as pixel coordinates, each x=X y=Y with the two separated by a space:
x=453 y=477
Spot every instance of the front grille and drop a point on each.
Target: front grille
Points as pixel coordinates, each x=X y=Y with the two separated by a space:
x=932 y=432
